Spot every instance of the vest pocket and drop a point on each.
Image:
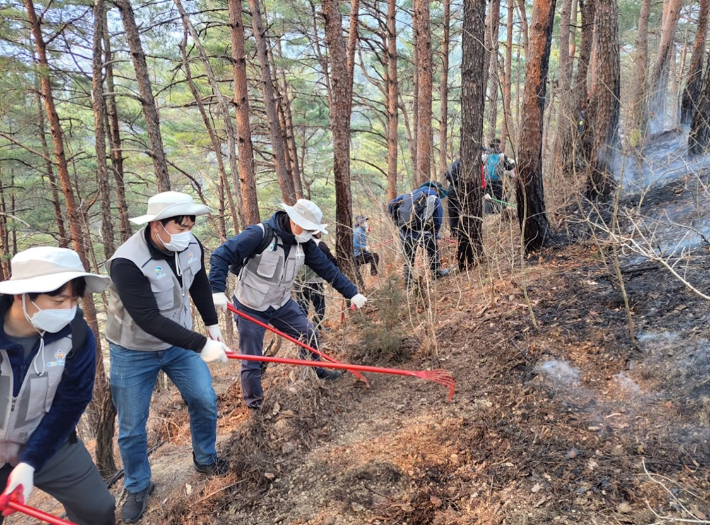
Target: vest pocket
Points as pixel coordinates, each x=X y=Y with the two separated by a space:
x=252 y=293
x=268 y=264
x=37 y=397
x=163 y=291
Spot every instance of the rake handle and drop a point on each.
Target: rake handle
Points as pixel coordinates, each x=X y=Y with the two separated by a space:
x=36 y=513
x=232 y=309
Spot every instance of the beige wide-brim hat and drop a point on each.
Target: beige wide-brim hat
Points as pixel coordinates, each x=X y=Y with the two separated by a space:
x=170 y=204
x=45 y=269
x=307 y=215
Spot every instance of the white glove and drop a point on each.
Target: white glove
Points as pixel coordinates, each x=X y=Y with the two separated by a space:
x=215 y=333
x=214 y=352
x=220 y=301
x=22 y=474
x=359 y=300
x=486 y=197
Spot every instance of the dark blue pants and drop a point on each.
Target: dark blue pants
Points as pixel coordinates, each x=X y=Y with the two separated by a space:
x=288 y=319
x=410 y=243
x=309 y=293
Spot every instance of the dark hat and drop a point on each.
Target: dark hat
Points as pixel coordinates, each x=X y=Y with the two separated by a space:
x=440 y=191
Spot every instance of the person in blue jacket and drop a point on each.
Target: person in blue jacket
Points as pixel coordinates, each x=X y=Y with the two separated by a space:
x=265 y=281
x=47 y=370
x=363 y=255
x=424 y=234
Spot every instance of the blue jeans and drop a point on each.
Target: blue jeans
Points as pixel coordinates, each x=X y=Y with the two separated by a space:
x=133 y=376
x=288 y=319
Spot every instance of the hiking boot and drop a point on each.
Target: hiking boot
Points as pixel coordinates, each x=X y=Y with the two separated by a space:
x=441 y=273
x=219 y=468
x=135 y=504
x=256 y=405
x=328 y=375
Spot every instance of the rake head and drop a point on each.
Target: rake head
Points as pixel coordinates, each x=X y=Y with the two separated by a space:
x=440 y=376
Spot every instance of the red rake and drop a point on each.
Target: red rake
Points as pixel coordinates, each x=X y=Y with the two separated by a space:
x=231 y=308
x=437 y=376
x=13 y=501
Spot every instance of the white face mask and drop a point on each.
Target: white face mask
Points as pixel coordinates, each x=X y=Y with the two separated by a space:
x=178 y=241
x=304 y=237
x=51 y=319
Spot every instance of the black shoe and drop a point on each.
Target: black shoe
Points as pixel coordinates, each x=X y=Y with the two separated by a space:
x=256 y=405
x=218 y=468
x=328 y=375
x=441 y=273
x=135 y=504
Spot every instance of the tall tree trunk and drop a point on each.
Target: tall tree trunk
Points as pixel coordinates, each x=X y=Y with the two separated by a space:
x=425 y=76
x=5 y=254
x=247 y=175
x=566 y=112
x=353 y=37
x=694 y=80
x=58 y=215
x=102 y=393
x=340 y=129
x=115 y=138
x=570 y=136
x=573 y=38
x=603 y=111
x=473 y=92
x=414 y=137
x=492 y=68
x=528 y=185
x=237 y=217
x=699 y=136
x=444 y=88
x=637 y=116
x=150 y=109
x=658 y=83
x=99 y=104
x=288 y=192
x=524 y=25
x=392 y=99
x=507 y=116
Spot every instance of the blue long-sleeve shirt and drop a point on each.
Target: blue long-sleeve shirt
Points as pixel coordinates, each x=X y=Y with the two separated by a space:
x=360 y=240
x=239 y=248
x=73 y=393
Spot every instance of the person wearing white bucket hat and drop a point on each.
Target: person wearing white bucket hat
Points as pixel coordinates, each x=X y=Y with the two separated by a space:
x=149 y=328
x=267 y=257
x=47 y=370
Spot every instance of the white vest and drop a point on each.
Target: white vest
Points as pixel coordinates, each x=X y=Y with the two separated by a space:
x=173 y=299
x=21 y=415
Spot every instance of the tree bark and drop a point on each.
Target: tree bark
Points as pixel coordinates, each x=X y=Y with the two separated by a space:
x=658 y=83
x=507 y=115
x=102 y=393
x=150 y=109
x=473 y=92
x=566 y=113
x=288 y=192
x=444 y=88
x=694 y=80
x=602 y=119
x=425 y=75
x=392 y=99
x=528 y=185
x=113 y=128
x=524 y=25
x=247 y=175
x=699 y=136
x=99 y=104
x=340 y=129
x=492 y=33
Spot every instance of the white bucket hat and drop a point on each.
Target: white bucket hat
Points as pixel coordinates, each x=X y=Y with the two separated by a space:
x=307 y=215
x=45 y=269
x=170 y=204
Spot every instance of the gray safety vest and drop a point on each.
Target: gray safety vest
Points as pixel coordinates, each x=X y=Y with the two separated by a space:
x=172 y=298
x=267 y=278
x=21 y=415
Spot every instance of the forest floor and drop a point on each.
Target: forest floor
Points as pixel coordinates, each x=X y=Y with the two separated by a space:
x=563 y=419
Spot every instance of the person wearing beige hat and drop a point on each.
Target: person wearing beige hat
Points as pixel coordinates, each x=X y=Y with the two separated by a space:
x=47 y=369
x=267 y=257
x=149 y=327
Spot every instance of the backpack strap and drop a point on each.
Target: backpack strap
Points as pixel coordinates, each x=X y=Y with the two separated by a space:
x=268 y=236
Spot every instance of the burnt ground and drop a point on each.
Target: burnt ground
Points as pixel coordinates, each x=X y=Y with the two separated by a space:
x=564 y=419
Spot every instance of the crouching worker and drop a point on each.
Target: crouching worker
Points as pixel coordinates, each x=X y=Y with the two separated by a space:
x=47 y=369
x=149 y=326
x=267 y=257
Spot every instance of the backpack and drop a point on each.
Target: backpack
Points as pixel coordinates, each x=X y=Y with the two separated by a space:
x=266 y=240
x=412 y=210
x=494 y=167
